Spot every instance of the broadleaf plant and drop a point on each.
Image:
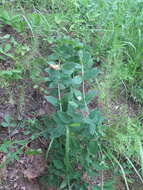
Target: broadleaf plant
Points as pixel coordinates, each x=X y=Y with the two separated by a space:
x=68 y=70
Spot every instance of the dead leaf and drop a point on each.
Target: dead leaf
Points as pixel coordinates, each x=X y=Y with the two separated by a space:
x=55 y=67
x=30 y=174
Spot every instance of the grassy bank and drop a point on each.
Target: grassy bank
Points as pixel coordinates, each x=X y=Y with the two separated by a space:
x=71 y=74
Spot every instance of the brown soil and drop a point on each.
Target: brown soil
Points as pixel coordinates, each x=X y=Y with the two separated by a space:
x=22 y=174
x=21 y=101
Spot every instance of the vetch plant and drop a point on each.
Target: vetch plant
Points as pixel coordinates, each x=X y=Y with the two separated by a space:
x=67 y=75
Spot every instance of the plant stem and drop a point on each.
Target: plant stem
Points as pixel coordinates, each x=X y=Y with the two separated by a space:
x=83 y=85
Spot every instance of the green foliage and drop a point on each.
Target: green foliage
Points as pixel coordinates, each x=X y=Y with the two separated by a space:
x=68 y=49
x=7 y=122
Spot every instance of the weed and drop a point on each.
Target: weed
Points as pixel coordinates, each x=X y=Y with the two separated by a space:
x=70 y=52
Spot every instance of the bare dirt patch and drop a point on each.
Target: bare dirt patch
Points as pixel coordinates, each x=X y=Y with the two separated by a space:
x=21 y=102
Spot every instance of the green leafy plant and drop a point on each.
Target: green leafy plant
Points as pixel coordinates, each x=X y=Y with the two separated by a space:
x=73 y=118
x=78 y=55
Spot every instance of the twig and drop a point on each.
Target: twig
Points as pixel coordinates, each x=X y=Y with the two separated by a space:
x=102 y=180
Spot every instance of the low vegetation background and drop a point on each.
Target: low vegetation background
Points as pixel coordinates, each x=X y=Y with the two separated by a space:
x=71 y=94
